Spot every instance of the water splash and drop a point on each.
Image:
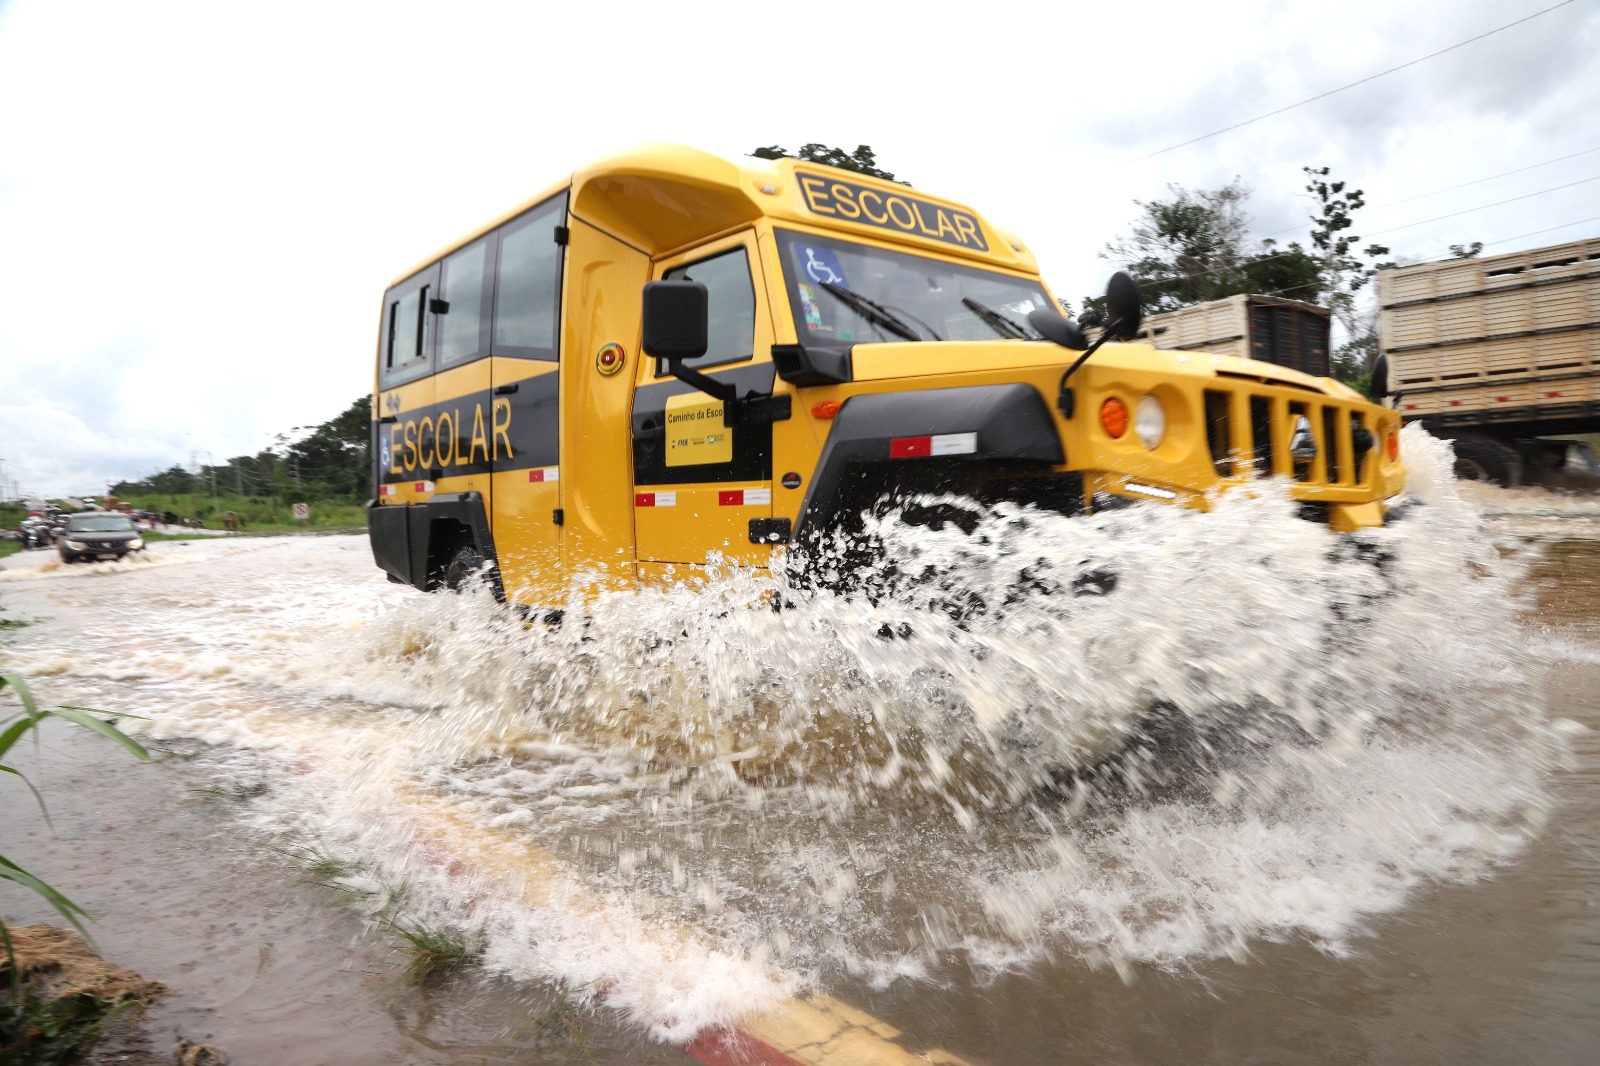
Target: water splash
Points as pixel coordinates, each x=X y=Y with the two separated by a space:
x=1262 y=731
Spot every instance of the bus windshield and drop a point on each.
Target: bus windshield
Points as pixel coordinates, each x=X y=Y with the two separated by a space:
x=847 y=293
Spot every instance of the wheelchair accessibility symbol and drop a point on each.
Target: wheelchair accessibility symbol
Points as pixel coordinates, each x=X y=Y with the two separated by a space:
x=823 y=267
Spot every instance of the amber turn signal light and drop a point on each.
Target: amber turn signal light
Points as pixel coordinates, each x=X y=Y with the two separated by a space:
x=1114 y=417
x=825 y=408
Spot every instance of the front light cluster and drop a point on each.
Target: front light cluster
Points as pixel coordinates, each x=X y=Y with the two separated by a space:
x=1149 y=419
x=77 y=545
x=136 y=543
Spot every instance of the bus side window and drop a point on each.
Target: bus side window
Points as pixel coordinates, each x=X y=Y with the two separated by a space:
x=407 y=350
x=467 y=288
x=730 y=306
x=528 y=284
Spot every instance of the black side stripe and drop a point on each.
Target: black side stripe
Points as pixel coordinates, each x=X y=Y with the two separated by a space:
x=474 y=433
x=752 y=445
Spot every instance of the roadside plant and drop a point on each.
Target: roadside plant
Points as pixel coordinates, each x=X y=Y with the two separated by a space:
x=434 y=952
x=12 y=729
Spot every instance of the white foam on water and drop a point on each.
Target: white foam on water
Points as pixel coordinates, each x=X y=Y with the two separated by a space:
x=730 y=802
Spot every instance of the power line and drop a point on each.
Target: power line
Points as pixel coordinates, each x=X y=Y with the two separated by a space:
x=1547 y=229
x=1480 y=181
x=1217 y=273
x=1352 y=85
x=1482 y=207
x=1453 y=188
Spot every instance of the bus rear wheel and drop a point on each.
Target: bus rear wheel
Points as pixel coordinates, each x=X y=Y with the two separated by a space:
x=462 y=567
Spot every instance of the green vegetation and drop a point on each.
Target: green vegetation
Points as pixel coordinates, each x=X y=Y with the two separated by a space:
x=563 y=1019
x=9 y=547
x=256 y=514
x=434 y=952
x=863 y=160
x=13 y=729
x=1195 y=246
x=38 y=1029
x=326 y=464
x=37 y=1026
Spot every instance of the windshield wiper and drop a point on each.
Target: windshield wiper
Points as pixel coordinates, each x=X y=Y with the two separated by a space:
x=872 y=311
x=998 y=322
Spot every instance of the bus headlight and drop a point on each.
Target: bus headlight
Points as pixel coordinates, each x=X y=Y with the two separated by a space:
x=1151 y=421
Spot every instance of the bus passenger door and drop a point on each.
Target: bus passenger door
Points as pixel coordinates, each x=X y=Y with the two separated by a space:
x=517 y=422
x=703 y=488
x=599 y=356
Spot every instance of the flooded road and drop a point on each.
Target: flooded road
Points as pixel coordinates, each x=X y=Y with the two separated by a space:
x=1351 y=811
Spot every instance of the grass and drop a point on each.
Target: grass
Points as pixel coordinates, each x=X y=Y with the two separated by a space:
x=259 y=514
x=62 y=995
x=434 y=952
x=9 y=547
x=44 y=1019
x=12 y=729
x=38 y=1030
x=563 y=1019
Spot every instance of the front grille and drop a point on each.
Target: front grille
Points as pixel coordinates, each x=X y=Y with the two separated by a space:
x=1248 y=435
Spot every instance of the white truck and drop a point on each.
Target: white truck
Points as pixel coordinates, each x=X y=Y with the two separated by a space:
x=1286 y=332
x=1502 y=355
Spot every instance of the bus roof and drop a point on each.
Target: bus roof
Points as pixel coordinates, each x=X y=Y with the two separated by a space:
x=660 y=198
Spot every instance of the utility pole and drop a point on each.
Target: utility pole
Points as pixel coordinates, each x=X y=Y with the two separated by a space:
x=212 y=466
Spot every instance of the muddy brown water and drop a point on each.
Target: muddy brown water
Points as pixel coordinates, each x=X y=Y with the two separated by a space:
x=193 y=881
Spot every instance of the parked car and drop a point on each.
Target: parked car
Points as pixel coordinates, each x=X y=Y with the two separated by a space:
x=98 y=535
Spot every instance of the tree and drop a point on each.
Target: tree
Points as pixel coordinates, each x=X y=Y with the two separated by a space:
x=1292 y=272
x=1188 y=249
x=332 y=460
x=1463 y=251
x=1195 y=247
x=863 y=160
x=1344 y=273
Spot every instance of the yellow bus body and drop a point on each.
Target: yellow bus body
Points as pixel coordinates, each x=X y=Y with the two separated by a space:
x=517 y=422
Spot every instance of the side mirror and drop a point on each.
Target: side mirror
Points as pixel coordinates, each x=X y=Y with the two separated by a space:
x=1054 y=326
x=1123 y=306
x=675 y=316
x=1378 y=388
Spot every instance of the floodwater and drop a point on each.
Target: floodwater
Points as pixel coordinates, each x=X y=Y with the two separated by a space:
x=1351 y=810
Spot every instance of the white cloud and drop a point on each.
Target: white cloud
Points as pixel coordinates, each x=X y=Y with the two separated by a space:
x=200 y=204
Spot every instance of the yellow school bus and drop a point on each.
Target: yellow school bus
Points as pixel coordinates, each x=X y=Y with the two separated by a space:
x=670 y=355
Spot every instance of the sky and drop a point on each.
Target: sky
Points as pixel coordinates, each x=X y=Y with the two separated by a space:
x=201 y=203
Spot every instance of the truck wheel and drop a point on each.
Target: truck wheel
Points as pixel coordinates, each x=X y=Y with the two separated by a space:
x=1480 y=458
x=462 y=566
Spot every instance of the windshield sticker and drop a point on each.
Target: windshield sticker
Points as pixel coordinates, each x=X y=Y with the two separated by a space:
x=823 y=267
x=891 y=210
x=808 y=307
